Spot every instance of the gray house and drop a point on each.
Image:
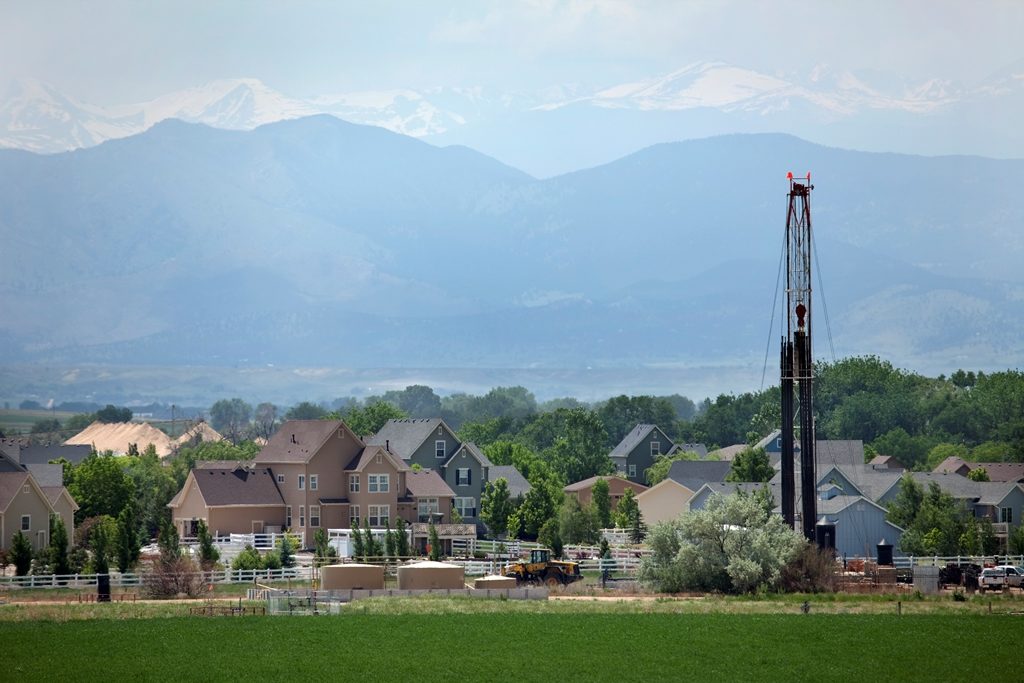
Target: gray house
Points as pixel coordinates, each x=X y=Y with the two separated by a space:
x=637 y=451
x=433 y=445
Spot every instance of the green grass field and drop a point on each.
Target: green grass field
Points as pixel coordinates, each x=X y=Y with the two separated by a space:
x=521 y=646
x=21 y=421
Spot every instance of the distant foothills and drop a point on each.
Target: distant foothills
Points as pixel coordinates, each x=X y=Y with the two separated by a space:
x=315 y=243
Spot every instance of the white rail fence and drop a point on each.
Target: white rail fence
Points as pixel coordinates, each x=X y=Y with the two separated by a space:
x=136 y=580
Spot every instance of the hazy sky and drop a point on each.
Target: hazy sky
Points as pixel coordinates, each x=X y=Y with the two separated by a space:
x=116 y=52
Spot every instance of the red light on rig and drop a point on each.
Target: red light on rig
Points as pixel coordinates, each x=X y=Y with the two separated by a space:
x=789 y=176
x=801 y=311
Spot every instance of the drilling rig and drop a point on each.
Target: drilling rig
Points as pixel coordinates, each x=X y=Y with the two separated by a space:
x=796 y=364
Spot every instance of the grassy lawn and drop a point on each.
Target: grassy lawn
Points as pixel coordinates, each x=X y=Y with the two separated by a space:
x=484 y=640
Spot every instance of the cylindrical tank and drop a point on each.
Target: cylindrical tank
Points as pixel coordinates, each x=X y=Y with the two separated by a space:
x=351 y=577
x=495 y=581
x=884 y=553
x=427 y=575
x=103 y=588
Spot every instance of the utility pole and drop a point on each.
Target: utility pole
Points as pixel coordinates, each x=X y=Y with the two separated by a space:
x=796 y=362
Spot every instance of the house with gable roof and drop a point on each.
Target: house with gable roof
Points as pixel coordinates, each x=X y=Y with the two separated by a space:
x=638 y=450
x=433 y=445
x=27 y=504
x=311 y=475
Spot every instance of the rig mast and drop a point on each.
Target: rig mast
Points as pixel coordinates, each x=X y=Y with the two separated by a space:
x=797 y=365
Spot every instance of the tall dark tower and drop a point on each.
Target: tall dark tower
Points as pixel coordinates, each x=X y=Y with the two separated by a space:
x=797 y=365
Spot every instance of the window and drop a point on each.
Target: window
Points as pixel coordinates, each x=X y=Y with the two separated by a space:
x=655 y=448
x=378 y=483
x=353 y=516
x=466 y=507
x=302 y=481
x=312 y=484
x=427 y=507
x=1006 y=515
x=302 y=516
x=26 y=522
x=280 y=479
x=353 y=483
x=378 y=515
x=314 y=515
x=632 y=470
x=439 y=448
x=288 y=517
x=463 y=476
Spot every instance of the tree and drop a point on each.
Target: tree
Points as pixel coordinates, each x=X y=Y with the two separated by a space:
x=208 y=553
x=978 y=474
x=577 y=524
x=496 y=506
x=369 y=420
x=1016 y=540
x=46 y=426
x=637 y=528
x=537 y=508
x=580 y=450
x=112 y=414
x=264 y=421
x=401 y=538
x=59 y=546
x=305 y=411
x=732 y=546
x=750 y=465
x=231 y=418
x=168 y=541
x=621 y=414
x=905 y=506
x=389 y=541
x=600 y=496
x=358 y=550
x=247 y=560
x=154 y=485
x=20 y=554
x=100 y=487
x=286 y=551
x=435 y=543
x=127 y=545
x=79 y=421
x=100 y=549
x=549 y=537
x=416 y=400
x=626 y=510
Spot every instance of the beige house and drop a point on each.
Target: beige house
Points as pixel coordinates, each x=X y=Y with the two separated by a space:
x=24 y=507
x=664 y=501
x=617 y=485
x=65 y=506
x=239 y=499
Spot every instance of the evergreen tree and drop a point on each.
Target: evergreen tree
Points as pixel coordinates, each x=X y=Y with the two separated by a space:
x=550 y=537
x=401 y=538
x=20 y=554
x=128 y=546
x=625 y=509
x=637 y=529
x=324 y=552
x=285 y=551
x=208 y=553
x=100 y=548
x=370 y=546
x=435 y=543
x=357 y=542
x=59 y=546
x=389 y=541
x=602 y=501
x=168 y=542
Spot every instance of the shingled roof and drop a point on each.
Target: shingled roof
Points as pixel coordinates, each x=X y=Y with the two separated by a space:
x=403 y=437
x=427 y=484
x=517 y=483
x=299 y=440
x=631 y=440
x=695 y=473
x=10 y=484
x=237 y=486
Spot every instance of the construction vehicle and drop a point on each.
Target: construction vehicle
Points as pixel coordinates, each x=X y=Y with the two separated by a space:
x=541 y=569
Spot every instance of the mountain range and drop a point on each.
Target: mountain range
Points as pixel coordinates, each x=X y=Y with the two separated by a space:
x=317 y=242
x=566 y=128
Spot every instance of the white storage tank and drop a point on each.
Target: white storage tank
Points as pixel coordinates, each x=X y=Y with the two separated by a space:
x=351 y=577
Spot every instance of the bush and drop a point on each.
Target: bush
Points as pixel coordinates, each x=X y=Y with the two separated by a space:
x=248 y=559
x=813 y=570
x=173 y=577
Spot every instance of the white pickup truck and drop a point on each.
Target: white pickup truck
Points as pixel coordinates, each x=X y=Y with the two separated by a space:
x=1001 y=578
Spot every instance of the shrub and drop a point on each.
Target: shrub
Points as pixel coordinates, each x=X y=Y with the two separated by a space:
x=813 y=570
x=173 y=577
x=248 y=559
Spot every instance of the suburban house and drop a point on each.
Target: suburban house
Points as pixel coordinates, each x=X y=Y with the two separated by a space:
x=996 y=471
x=664 y=501
x=433 y=445
x=1001 y=502
x=28 y=453
x=638 y=450
x=26 y=505
x=887 y=462
x=583 y=490
x=315 y=474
